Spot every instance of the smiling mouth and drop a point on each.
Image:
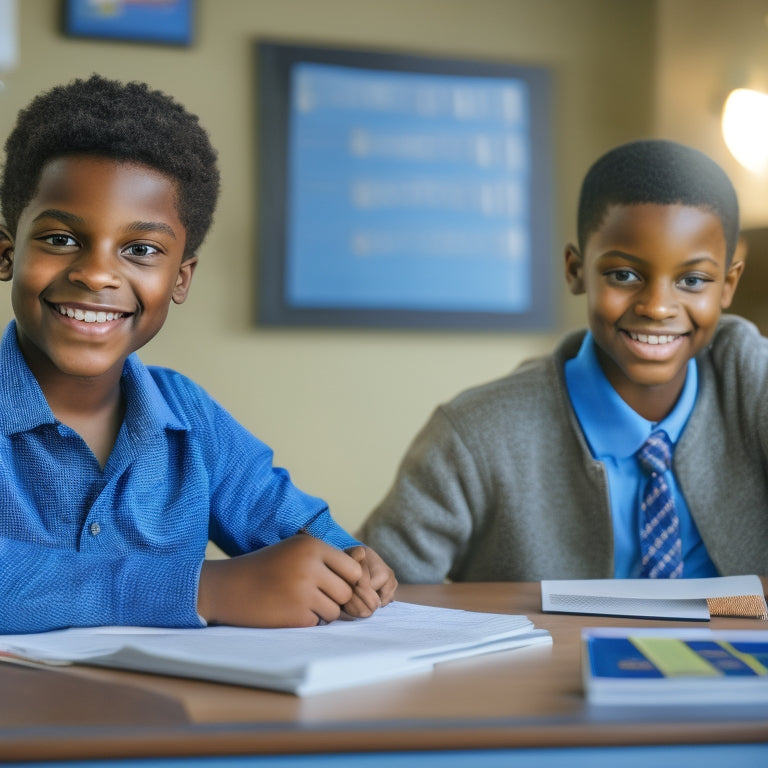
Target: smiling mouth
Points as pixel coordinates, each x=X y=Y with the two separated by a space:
x=88 y=315
x=650 y=338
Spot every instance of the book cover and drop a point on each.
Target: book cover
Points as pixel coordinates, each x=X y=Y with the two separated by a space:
x=674 y=666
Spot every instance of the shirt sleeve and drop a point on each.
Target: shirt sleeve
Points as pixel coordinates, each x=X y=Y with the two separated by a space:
x=254 y=503
x=43 y=588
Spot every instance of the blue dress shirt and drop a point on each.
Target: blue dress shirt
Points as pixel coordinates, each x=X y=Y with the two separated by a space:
x=615 y=432
x=82 y=546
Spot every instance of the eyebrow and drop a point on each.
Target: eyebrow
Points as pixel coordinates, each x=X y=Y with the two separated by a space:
x=638 y=260
x=65 y=217
x=152 y=226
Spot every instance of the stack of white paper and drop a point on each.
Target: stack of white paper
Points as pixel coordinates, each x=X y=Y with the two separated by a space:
x=399 y=639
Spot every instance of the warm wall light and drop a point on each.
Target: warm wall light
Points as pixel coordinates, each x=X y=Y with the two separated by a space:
x=745 y=128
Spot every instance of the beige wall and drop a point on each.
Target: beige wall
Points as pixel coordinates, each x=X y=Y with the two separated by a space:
x=706 y=48
x=339 y=407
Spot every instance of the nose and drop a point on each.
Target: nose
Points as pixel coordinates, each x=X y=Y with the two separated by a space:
x=657 y=301
x=95 y=268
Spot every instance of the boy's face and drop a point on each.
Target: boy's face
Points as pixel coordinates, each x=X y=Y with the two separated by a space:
x=97 y=260
x=656 y=280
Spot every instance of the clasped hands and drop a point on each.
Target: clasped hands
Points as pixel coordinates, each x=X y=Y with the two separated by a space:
x=298 y=582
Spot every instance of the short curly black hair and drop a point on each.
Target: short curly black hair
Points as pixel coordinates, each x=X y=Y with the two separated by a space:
x=122 y=121
x=660 y=172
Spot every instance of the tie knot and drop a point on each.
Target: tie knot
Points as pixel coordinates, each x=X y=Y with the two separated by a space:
x=656 y=454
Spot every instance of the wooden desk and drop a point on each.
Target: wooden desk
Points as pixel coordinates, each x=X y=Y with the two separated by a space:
x=514 y=700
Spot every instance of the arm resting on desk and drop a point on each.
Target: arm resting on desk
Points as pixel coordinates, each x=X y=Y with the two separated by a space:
x=42 y=588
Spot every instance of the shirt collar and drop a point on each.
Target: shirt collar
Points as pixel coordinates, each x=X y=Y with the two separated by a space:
x=611 y=427
x=23 y=406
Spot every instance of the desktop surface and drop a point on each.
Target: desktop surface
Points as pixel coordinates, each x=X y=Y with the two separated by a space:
x=528 y=699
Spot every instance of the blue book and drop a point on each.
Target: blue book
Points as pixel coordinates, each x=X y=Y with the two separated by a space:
x=674 y=666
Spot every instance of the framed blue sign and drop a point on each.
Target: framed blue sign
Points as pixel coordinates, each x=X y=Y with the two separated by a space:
x=402 y=191
x=166 y=22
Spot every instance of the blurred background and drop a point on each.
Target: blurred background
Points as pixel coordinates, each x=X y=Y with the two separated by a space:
x=339 y=406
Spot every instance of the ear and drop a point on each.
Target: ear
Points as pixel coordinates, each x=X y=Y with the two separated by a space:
x=6 y=253
x=732 y=277
x=574 y=269
x=184 y=280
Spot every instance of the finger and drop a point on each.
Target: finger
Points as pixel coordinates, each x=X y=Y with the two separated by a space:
x=356 y=553
x=334 y=587
x=343 y=565
x=365 y=600
x=382 y=577
x=326 y=609
x=359 y=607
x=387 y=591
x=365 y=589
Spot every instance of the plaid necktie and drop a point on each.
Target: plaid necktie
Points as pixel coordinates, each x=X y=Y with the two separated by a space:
x=660 y=543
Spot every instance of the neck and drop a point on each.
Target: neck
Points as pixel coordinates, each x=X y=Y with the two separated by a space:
x=651 y=405
x=91 y=406
x=94 y=413
x=651 y=401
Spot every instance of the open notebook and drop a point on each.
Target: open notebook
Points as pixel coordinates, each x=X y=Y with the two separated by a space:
x=399 y=639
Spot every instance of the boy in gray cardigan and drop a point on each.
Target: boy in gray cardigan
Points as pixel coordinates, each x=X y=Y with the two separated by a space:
x=535 y=476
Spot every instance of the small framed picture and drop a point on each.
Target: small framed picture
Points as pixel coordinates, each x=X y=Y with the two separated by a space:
x=165 y=22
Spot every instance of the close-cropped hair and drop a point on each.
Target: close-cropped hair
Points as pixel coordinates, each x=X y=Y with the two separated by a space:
x=658 y=172
x=127 y=122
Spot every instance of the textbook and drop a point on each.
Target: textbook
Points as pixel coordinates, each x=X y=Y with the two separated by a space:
x=687 y=599
x=399 y=639
x=675 y=666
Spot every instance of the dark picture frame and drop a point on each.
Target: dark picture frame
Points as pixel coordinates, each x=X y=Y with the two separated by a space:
x=325 y=261
x=169 y=22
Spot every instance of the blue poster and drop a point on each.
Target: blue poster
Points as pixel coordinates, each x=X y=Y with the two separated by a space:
x=408 y=191
x=158 y=21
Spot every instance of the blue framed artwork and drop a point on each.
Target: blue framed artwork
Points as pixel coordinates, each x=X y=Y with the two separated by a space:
x=402 y=191
x=167 y=22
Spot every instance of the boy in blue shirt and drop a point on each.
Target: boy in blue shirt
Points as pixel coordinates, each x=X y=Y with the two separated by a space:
x=537 y=475
x=114 y=476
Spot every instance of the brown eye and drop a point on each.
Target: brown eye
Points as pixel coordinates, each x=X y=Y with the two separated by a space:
x=60 y=241
x=141 y=251
x=694 y=282
x=622 y=276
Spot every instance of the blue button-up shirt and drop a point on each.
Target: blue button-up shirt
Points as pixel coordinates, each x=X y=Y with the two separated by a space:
x=615 y=432
x=83 y=546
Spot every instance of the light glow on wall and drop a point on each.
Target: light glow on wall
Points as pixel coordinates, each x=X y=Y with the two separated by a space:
x=745 y=128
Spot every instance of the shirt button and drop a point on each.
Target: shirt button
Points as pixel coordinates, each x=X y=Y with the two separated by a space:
x=95 y=529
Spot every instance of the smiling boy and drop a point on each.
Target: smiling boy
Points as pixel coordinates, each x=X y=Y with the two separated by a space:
x=114 y=476
x=537 y=475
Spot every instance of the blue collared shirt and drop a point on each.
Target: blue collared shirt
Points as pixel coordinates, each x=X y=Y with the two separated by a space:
x=82 y=546
x=615 y=432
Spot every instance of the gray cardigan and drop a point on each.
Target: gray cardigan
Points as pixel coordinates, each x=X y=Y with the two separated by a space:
x=500 y=484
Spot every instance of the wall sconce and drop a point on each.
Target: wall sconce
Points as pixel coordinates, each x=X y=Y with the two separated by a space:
x=745 y=128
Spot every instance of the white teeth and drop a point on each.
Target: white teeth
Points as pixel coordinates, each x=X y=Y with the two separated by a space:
x=89 y=315
x=651 y=339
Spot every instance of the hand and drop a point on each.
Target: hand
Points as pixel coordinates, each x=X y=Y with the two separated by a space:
x=297 y=582
x=376 y=586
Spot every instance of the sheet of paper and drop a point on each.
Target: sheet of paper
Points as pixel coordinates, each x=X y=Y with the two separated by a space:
x=648 y=598
x=401 y=638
